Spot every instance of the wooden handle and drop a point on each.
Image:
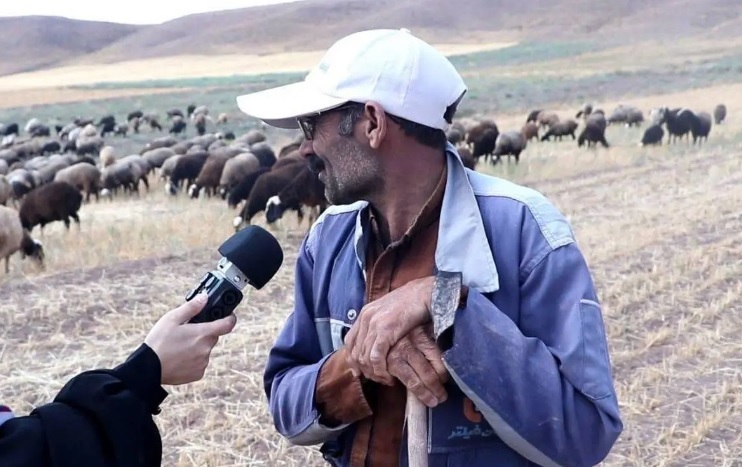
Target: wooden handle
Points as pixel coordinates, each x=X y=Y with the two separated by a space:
x=417 y=432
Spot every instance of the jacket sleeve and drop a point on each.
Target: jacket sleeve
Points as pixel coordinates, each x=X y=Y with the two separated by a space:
x=100 y=417
x=299 y=380
x=546 y=387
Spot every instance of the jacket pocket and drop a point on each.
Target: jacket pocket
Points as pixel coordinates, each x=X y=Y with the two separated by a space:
x=596 y=378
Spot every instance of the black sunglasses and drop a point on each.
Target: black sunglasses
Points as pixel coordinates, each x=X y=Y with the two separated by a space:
x=308 y=123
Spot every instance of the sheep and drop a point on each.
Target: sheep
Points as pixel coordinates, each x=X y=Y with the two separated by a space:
x=701 y=127
x=92 y=145
x=222 y=118
x=485 y=144
x=186 y=169
x=629 y=115
x=252 y=137
x=107 y=156
x=6 y=191
x=14 y=238
x=163 y=142
x=653 y=135
x=199 y=121
x=83 y=176
x=22 y=181
x=594 y=131
x=477 y=133
x=167 y=167
x=454 y=136
x=179 y=125
x=264 y=153
x=117 y=176
x=585 y=111
x=235 y=169
x=305 y=189
x=55 y=201
x=530 y=131
x=509 y=143
x=3 y=167
x=678 y=122
x=209 y=176
x=157 y=157
x=140 y=168
x=266 y=186
x=241 y=191
x=560 y=129
x=289 y=148
x=546 y=119
x=720 y=113
x=466 y=158
x=533 y=115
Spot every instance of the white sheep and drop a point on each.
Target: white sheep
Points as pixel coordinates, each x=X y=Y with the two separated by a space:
x=13 y=238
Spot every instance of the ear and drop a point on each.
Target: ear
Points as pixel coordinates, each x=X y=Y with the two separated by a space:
x=376 y=126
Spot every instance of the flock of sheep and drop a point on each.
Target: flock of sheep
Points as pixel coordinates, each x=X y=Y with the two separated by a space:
x=48 y=179
x=477 y=139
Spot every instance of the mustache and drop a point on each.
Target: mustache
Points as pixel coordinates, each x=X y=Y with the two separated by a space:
x=315 y=163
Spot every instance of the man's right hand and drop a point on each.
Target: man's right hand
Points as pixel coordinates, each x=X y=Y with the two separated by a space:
x=182 y=347
x=416 y=361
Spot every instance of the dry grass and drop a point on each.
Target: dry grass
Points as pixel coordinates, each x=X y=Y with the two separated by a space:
x=660 y=228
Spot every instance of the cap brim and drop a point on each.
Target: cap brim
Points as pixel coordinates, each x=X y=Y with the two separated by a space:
x=281 y=106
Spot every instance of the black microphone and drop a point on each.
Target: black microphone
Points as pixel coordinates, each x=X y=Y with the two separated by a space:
x=251 y=256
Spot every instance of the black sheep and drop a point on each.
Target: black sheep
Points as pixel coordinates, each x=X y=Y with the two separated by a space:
x=305 y=189
x=678 y=122
x=186 y=169
x=267 y=186
x=701 y=126
x=720 y=113
x=653 y=135
x=54 y=201
x=485 y=144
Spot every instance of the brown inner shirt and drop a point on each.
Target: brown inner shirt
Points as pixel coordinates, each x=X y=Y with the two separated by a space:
x=378 y=438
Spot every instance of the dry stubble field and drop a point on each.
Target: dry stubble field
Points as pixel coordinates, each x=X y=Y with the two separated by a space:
x=660 y=228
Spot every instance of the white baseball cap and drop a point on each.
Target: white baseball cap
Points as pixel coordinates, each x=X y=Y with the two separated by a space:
x=404 y=74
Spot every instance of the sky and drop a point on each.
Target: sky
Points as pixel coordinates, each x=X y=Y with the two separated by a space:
x=123 y=11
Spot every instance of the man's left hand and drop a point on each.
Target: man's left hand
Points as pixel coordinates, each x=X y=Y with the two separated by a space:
x=382 y=323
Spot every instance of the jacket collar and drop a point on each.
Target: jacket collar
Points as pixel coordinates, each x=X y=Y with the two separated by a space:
x=463 y=245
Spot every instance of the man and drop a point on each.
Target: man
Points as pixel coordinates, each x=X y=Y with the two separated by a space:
x=104 y=417
x=517 y=371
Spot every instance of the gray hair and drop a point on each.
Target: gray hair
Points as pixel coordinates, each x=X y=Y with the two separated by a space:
x=349 y=119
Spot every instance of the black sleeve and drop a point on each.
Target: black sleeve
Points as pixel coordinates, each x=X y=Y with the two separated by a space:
x=99 y=418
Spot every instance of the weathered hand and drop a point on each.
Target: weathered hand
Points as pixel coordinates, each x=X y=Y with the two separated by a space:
x=417 y=363
x=382 y=323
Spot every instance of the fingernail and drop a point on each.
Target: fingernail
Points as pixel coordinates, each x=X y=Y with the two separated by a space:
x=201 y=298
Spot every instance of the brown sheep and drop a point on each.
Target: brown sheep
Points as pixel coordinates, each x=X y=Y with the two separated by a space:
x=252 y=137
x=157 y=157
x=209 y=176
x=222 y=118
x=594 y=131
x=529 y=131
x=560 y=129
x=163 y=142
x=168 y=166
x=84 y=177
x=55 y=201
x=546 y=119
x=305 y=189
x=14 y=238
x=720 y=113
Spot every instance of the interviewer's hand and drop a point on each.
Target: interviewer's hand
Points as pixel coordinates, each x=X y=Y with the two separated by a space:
x=184 y=348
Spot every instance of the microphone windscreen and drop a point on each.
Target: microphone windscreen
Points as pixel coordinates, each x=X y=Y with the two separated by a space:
x=255 y=252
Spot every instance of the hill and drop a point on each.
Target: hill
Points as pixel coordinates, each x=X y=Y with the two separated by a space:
x=32 y=42
x=314 y=24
